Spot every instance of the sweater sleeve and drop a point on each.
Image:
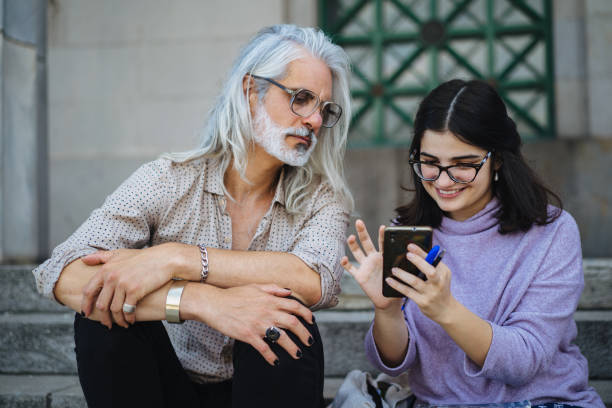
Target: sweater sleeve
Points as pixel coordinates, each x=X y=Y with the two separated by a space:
x=125 y=220
x=375 y=359
x=527 y=339
x=320 y=244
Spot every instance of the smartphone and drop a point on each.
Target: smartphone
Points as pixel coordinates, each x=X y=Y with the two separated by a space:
x=395 y=247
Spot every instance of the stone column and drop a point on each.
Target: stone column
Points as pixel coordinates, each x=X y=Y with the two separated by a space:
x=23 y=151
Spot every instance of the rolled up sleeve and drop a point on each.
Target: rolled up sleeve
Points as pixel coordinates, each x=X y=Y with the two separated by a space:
x=320 y=244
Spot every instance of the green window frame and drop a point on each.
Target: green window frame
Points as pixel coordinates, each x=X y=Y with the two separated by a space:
x=400 y=50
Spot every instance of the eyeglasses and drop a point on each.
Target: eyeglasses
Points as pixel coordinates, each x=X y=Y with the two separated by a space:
x=304 y=103
x=460 y=173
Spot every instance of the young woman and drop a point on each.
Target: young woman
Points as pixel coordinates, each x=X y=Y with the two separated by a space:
x=493 y=322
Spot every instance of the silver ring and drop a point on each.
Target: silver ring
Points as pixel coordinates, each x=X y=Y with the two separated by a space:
x=127 y=308
x=272 y=334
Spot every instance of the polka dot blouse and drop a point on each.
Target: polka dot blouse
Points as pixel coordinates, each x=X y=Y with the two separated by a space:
x=164 y=201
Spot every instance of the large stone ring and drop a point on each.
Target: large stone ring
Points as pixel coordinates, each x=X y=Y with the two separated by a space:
x=272 y=334
x=127 y=308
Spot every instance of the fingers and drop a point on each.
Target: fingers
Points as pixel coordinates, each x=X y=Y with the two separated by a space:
x=355 y=249
x=409 y=279
x=90 y=293
x=423 y=266
x=364 y=237
x=275 y=290
x=404 y=289
x=103 y=304
x=381 y=237
x=262 y=348
x=295 y=308
x=295 y=326
x=97 y=258
x=116 y=308
x=415 y=249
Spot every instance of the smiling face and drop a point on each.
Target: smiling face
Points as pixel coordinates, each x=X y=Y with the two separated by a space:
x=458 y=201
x=288 y=137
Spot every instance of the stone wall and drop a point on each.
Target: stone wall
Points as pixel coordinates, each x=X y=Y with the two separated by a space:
x=130 y=79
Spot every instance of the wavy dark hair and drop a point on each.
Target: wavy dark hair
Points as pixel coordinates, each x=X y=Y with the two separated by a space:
x=474 y=112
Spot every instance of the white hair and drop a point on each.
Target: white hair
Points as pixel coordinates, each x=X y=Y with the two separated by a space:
x=228 y=133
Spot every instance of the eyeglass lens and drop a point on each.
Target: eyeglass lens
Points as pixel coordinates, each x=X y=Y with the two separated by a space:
x=459 y=173
x=305 y=102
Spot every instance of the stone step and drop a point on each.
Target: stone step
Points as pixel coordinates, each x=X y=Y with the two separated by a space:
x=597 y=293
x=18 y=291
x=43 y=343
x=64 y=391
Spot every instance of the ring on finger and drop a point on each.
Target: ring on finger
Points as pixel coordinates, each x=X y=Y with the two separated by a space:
x=272 y=334
x=127 y=308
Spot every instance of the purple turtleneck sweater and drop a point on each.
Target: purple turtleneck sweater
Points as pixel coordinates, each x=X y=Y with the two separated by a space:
x=526 y=286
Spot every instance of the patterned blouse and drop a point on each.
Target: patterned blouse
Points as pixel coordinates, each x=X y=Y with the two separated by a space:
x=164 y=201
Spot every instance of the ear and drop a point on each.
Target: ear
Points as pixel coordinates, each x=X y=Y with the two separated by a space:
x=497 y=162
x=248 y=88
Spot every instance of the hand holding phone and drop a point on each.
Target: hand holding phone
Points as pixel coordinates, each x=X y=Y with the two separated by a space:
x=395 y=247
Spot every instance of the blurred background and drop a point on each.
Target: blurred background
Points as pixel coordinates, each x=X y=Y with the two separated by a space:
x=90 y=90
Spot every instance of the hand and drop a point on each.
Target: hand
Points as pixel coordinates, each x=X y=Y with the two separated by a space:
x=125 y=276
x=246 y=312
x=433 y=297
x=369 y=273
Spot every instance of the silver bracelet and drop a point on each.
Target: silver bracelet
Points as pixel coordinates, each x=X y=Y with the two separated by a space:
x=204 y=258
x=173 y=301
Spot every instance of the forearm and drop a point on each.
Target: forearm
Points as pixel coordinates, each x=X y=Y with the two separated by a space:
x=74 y=277
x=69 y=291
x=390 y=335
x=230 y=268
x=471 y=333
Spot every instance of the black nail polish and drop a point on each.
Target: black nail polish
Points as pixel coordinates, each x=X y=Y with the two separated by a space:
x=276 y=363
x=299 y=354
x=310 y=341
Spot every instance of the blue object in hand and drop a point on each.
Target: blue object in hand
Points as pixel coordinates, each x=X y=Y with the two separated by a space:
x=433 y=257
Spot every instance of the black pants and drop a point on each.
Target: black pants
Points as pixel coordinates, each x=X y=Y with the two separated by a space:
x=137 y=367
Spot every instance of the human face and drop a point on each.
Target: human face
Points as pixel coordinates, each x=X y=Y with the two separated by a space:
x=309 y=73
x=272 y=138
x=458 y=201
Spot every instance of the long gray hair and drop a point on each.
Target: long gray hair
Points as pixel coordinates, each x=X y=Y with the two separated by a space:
x=228 y=134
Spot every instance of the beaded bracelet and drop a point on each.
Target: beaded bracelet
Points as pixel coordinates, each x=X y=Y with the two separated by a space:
x=204 y=258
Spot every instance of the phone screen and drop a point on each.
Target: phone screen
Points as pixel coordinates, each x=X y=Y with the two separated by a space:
x=395 y=245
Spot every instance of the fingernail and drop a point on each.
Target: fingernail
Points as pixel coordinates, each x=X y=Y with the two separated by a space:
x=299 y=354
x=310 y=341
x=410 y=255
x=276 y=363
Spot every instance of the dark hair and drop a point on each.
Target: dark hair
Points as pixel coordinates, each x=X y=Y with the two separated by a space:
x=475 y=113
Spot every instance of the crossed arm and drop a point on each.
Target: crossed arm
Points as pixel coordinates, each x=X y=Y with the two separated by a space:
x=233 y=301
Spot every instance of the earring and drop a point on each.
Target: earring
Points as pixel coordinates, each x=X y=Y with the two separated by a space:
x=496 y=177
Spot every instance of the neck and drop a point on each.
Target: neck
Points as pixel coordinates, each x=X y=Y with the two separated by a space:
x=261 y=173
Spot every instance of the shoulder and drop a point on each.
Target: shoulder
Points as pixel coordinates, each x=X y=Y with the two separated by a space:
x=323 y=194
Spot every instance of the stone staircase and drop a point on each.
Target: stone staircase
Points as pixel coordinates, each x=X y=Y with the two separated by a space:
x=38 y=369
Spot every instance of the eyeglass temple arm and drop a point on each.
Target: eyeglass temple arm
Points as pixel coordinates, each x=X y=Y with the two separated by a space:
x=281 y=86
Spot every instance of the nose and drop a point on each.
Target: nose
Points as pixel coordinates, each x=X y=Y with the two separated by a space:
x=444 y=180
x=313 y=121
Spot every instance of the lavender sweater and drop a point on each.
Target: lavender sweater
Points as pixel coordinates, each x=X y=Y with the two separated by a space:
x=527 y=286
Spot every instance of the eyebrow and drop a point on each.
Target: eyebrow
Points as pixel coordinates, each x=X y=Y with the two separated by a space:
x=456 y=158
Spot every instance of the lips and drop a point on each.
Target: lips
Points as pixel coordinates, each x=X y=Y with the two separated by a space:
x=450 y=193
x=305 y=139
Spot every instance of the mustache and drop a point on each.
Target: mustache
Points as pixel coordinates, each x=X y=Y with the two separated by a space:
x=303 y=132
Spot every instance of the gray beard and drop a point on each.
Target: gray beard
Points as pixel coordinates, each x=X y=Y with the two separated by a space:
x=272 y=138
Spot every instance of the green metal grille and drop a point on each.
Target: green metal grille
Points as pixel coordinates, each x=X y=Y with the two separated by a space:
x=400 y=50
